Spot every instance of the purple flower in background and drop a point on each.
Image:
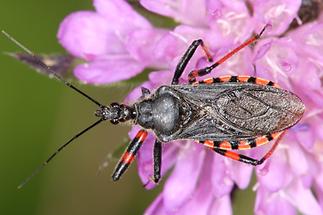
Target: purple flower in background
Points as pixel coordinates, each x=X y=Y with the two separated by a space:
x=112 y=40
x=118 y=43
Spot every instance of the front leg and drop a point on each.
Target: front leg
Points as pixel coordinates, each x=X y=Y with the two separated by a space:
x=186 y=58
x=157 y=161
x=129 y=155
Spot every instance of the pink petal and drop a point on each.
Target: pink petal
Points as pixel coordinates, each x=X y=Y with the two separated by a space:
x=240 y=173
x=296 y=154
x=221 y=206
x=86 y=34
x=108 y=70
x=306 y=138
x=311 y=72
x=272 y=203
x=226 y=18
x=303 y=199
x=279 y=13
x=261 y=49
x=182 y=182
x=187 y=12
x=319 y=186
x=307 y=180
x=221 y=182
x=320 y=198
x=310 y=36
x=201 y=199
x=278 y=174
x=316 y=97
x=162 y=7
x=238 y=64
x=278 y=63
x=159 y=78
x=170 y=48
x=319 y=179
x=157 y=207
x=121 y=15
x=318 y=130
x=141 y=45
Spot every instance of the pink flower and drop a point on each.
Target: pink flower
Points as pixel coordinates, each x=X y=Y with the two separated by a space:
x=112 y=41
x=202 y=181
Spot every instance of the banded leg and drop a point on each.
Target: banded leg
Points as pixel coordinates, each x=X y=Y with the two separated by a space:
x=157 y=161
x=129 y=155
x=201 y=72
x=186 y=58
x=244 y=158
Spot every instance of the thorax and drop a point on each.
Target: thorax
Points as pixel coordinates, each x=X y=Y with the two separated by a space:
x=164 y=112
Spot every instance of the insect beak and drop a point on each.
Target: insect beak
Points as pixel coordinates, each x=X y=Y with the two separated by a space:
x=103 y=113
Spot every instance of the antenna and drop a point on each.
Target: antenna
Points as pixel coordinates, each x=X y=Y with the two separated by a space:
x=66 y=83
x=48 y=69
x=39 y=168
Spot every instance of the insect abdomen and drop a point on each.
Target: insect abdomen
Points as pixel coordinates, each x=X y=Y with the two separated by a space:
x=234 y=110
x=260 y=109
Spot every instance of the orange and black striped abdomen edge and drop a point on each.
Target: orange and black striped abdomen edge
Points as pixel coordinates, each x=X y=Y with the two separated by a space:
x=239 y=79
x=225 y=146
x=241 y=144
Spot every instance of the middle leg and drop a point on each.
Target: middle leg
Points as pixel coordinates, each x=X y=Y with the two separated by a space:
x=157 y=161
x=186 y=58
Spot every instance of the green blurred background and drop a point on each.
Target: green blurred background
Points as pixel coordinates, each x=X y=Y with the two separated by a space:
x=38 y=114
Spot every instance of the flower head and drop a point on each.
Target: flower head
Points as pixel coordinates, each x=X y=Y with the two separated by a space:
x=112 y=41
x=290 y=54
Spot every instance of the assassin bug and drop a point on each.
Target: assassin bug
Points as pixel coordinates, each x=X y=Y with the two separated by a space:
x=224 y=113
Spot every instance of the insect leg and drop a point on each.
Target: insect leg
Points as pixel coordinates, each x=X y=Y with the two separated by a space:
x=272 y=149
x=129 y=155
x=201 y=72
x=157 y=161
x=186 y=58
x=238 y=157
x=241 y=157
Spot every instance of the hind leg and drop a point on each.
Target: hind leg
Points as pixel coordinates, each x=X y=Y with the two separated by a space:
x=243 y=158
